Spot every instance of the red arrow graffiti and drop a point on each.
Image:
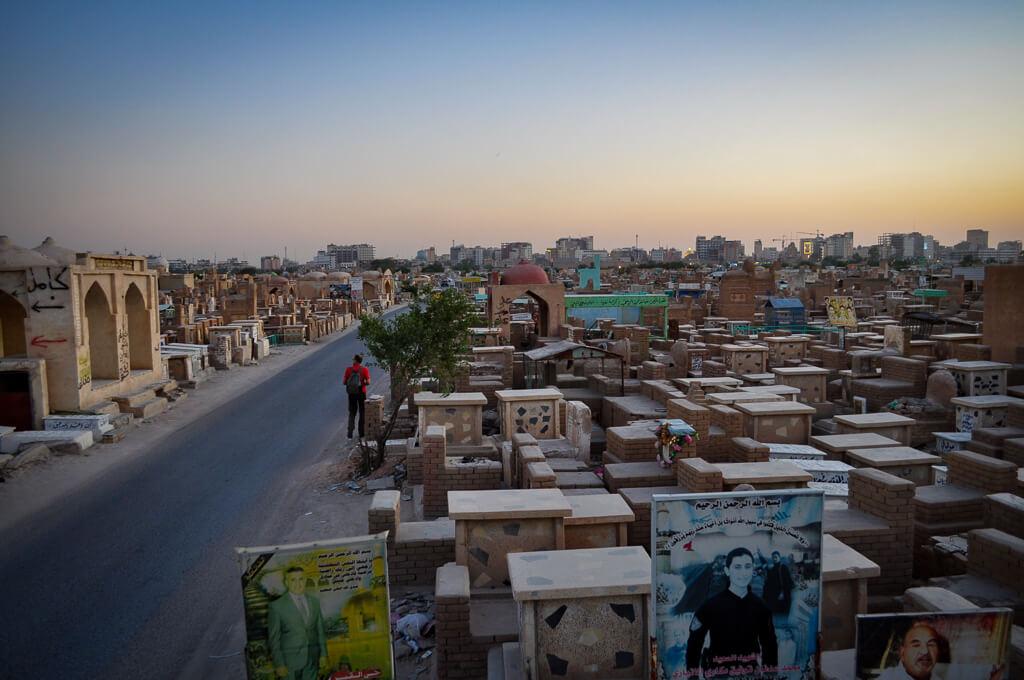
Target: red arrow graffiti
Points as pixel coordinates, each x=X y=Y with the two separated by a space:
x=38 y=341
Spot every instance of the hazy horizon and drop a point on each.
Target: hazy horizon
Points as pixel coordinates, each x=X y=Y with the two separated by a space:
x=189 y=129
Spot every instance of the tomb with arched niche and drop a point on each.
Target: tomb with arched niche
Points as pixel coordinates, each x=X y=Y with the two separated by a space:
x=530 y=283
x=76 y=329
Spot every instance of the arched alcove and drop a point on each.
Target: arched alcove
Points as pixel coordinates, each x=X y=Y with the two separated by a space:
x=12 y=326
x=140 y=341
x=102 y=335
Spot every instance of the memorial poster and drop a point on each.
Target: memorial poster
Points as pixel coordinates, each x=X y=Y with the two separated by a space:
x=736 y=584
x=317 y=610
x=840 y=311
x=972 y=644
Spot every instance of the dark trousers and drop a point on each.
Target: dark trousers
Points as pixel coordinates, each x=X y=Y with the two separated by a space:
x=357 y=403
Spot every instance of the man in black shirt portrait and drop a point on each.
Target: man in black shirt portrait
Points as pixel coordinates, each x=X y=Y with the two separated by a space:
x=742 y=643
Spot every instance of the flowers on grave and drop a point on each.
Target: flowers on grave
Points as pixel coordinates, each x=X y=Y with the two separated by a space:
x=672 y=435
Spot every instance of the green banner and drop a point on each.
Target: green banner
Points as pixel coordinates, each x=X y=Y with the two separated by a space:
x=579 y=301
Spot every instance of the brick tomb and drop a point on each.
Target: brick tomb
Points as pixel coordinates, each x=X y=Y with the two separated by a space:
x=975 y=378
x=987 y=410
x=459 y=413
x=583 y=613
x=889 y=425
x=493 y=523
x=784 y=422
x=808 y=379
x=742 y=359
x=532 y=412
x=899 y=461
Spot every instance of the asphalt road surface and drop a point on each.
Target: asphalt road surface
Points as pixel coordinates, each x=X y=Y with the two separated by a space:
x=134 y=575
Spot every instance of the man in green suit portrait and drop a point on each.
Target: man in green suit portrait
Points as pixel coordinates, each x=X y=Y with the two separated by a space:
x=297 y=641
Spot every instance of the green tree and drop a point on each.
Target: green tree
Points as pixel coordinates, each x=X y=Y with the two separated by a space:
x=431 y=339
x=433 y=268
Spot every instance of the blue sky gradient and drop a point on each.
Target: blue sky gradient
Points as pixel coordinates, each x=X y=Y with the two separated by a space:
x=245 y=128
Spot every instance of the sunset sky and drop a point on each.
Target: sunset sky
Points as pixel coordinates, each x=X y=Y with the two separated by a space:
x=242 y=129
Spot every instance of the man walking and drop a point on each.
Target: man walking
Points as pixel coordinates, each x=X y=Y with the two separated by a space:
x=357 y=377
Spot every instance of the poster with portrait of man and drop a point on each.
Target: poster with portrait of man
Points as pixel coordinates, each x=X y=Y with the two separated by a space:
x=737 y=584
x=317 y=611
x=972 y=644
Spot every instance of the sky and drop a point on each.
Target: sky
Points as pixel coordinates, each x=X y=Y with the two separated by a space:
x=244 y=129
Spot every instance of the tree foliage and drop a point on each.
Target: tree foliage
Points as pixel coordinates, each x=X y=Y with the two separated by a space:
x=430 y=340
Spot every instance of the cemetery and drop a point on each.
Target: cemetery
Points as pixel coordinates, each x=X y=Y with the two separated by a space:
x=578 y=498
x=912 y=449
x=91 y=343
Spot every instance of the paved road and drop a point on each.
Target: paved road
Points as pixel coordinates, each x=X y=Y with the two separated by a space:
x=135 y=576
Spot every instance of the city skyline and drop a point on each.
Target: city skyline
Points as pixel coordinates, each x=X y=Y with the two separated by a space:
x=189 y=131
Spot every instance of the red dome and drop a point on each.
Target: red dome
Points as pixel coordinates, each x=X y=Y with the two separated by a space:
x=523 y=274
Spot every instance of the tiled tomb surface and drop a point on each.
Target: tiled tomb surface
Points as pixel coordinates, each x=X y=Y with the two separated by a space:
x=825 y=471
x=782 y=349
x=950 y=441
x=987 y=410
x=810 y=380
x=709 y=385
x=597 y=522
x=787 y=392
x=890 y=425
x=532 y=412
x=900 y=461
x=743 y=359
x=742 y=396
x=976 y=378
x=836 y=445
x=491 y=524
x=778 y=451
x=781 y=474
x=459 y=413
x=832 y=490
x=583 y=614
x=844 y=573
x=785 y=422
x=946 y=342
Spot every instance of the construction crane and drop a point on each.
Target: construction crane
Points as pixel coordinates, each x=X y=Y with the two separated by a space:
x=816 y=234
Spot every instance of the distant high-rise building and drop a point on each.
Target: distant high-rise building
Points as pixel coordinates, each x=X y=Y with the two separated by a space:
x=709 y=249
x=516 y=251
x=324 y=260
x=839 y=246
x=269 y=263
x=665 y=255
x=476 y=255
x=757 y=249
x=570 y=248
x=732 y=251
x=362 y=254
x=812 y=248
x=978 y=238
x=1008 y=251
